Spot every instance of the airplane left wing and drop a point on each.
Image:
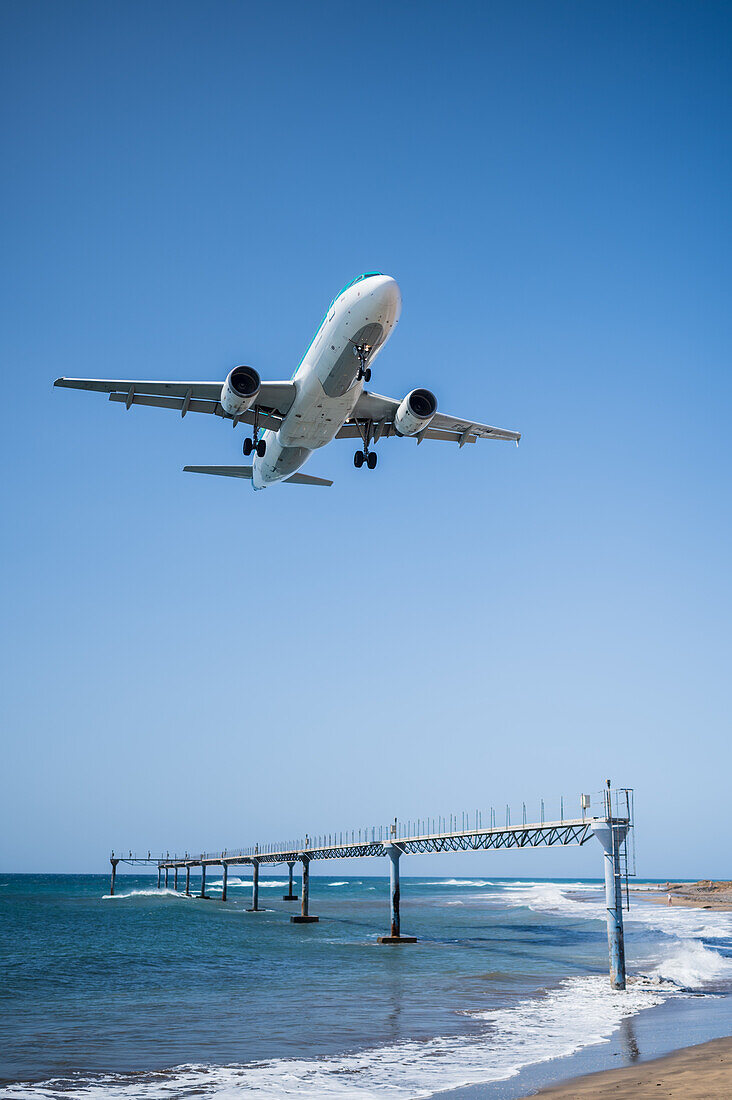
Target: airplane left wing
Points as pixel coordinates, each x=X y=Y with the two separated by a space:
x=380 y=411
x=273 y=401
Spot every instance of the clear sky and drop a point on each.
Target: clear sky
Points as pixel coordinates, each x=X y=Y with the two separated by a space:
x=186 y=185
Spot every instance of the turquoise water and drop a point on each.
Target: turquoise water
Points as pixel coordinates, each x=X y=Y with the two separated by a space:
x=152 y=994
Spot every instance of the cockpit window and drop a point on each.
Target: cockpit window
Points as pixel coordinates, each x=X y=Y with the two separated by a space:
x=366 y=275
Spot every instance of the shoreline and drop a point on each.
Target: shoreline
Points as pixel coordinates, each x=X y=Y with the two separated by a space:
x=685 y=1040
x=701 y=1072
x=705 y=894
x=641 y=1041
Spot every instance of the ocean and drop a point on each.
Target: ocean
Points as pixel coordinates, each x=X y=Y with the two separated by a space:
x=151 y=994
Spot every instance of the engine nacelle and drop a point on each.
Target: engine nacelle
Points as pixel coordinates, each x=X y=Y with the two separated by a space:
x=415 y=412
x=240 y=390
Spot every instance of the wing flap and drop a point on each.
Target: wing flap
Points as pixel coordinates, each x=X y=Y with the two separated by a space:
x=352 y=431
x=266 y=420
x=441 y=421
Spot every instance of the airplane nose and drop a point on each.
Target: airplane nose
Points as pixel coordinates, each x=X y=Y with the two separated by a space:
x=390 y=297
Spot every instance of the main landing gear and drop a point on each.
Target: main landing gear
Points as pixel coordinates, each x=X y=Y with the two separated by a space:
x=369 y=457
x=255 y=443
x=260 y=447
x=367 y=433
x=362 y=352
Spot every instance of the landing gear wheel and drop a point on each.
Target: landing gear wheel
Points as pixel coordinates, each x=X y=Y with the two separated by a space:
x=358 y=459
x=261 y=448
x=248 y=446
x=367 y=374
x=371 y=459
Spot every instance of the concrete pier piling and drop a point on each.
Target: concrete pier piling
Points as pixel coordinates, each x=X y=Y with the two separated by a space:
x=290 y=896
x=224 y=881
x=395 y=936
x=203 y=881
x=611 y=835
x=159 y=870
x=255 y=887
x=175 y=877
x=166 y=877
x=188 y=880
x=304 y=915
x=114 y=863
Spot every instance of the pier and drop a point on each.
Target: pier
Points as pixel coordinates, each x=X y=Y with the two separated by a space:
x=611 y=829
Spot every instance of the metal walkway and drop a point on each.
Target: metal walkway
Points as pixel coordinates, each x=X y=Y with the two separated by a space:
x=612 y=830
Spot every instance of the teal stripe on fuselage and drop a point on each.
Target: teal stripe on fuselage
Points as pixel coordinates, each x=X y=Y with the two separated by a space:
x=358 y=279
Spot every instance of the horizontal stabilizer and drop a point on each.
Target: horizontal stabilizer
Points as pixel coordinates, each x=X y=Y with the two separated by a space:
x=222 y=471
x=246 y=472
x=306 y=479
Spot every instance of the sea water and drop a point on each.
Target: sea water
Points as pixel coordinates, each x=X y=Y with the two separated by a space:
x=151 y=994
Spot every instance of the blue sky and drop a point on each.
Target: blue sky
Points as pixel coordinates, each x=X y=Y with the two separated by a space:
x=186 y=663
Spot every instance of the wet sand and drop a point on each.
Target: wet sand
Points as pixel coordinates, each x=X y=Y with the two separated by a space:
x=695 y=1073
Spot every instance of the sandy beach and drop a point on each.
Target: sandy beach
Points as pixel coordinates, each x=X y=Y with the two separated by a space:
x=701 y=1072
x=704 y=894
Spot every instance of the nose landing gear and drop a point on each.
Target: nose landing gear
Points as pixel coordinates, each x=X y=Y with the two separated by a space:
x=362 y=352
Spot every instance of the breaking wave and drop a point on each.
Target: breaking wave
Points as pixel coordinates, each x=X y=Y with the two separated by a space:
x=163 y=892
x=263 y=883
x=459 y=882
x=581 y=1012
x=681 y=958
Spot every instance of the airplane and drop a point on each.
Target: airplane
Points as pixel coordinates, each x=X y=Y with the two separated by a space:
x=324 y=400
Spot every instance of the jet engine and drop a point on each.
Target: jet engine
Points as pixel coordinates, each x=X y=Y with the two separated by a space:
x=415 y=412
x=240 y=390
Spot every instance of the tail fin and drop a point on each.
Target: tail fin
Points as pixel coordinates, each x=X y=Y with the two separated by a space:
x=246 y=472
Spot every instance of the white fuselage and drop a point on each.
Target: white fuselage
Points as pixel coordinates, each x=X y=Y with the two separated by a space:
x=326 y=382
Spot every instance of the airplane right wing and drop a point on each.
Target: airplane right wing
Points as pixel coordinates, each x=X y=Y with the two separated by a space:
x=453 y=429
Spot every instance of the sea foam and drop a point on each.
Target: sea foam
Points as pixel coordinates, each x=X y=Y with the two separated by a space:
x=580 y=1012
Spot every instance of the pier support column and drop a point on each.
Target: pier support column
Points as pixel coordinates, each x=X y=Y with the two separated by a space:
x=611 y=837
x=166 y=876
x=158 y=876
x=395 y=935
x=114 y=863
x=188 y=879
x=255 y=887
x=203 y=880
x=289 y=896
x=175 y=877
x=304 y=917
x=225 y=879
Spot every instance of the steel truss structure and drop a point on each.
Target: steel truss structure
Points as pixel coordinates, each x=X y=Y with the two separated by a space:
x=543 y=835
